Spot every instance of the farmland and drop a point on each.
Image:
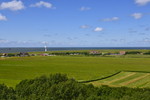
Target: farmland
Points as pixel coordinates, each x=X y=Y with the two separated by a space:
x=128 y=79
x=82 y=68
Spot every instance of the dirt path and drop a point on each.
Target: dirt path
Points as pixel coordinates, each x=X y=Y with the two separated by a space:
x=134 y=80
x=109 y=82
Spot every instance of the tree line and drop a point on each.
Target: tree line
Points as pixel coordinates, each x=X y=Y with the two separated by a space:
x=60 y=87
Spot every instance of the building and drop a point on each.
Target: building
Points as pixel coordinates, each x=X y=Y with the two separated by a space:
x=23 y=54
x=94 y=52
x=44 y=54
x=122 y=52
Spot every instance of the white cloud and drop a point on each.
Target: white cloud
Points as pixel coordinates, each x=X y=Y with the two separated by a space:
x=42 y=4
x=137 y=15
x=13 y=5
x=98 y=29
x=142 y=2
x=2 y=17
x=85 y=8
x=111 y=19
x=3 y=41
x=84 y=26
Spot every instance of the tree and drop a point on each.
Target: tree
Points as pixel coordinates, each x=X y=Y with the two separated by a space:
x=7 y=93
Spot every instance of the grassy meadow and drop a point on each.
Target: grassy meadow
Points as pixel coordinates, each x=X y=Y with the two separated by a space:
x=128 y=79
x=82 y=68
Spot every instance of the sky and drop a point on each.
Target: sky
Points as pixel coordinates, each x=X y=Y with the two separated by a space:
x=75 y=23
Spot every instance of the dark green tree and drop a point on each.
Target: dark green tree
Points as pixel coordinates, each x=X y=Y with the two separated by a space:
x=7 y=93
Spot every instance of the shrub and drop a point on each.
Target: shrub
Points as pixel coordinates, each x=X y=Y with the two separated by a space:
x=7 y=93
x=133 y=52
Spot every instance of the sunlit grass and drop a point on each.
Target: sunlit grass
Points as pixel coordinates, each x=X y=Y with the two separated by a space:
x=80 y=68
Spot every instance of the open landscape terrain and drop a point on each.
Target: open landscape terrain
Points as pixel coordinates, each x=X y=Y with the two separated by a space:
x=74 y=50
x=81 y=68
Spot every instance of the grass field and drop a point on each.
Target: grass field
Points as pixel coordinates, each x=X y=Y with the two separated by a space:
x=15 y=69
x=129 y=79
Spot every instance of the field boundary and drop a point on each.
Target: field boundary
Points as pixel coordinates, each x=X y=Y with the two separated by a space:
x=112 y=75
x=135 y=71
x=101 y=78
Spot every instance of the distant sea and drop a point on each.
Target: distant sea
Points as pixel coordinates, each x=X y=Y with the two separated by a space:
x=36 y=49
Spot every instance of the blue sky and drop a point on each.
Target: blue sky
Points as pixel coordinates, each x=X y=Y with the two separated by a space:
x=75 y=23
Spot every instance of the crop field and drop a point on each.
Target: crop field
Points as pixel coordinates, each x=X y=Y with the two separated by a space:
x=15 y=69
x=128 y=79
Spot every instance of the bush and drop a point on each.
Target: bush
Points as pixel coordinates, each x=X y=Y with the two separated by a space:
x=10 y=55
x=38 y=88
x=147 y=53
x=133 y=52
x=7 y=93
x=55 y=87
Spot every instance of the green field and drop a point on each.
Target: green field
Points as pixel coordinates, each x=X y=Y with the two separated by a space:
x=129 y=79
x=15 y=69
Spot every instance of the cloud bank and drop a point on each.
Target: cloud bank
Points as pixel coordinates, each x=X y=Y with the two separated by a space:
x=13 y=5
x=142 y=2
x=42 y=4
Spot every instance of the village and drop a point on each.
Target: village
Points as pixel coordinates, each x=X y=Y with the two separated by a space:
x=70 y=53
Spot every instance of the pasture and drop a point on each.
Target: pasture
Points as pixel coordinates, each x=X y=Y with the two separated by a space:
x=15 y=69
x=128 y=79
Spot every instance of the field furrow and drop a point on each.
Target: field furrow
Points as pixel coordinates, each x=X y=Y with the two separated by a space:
x=140 y=83
x=121 y=78
x=134 y=80
x=129 y=79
